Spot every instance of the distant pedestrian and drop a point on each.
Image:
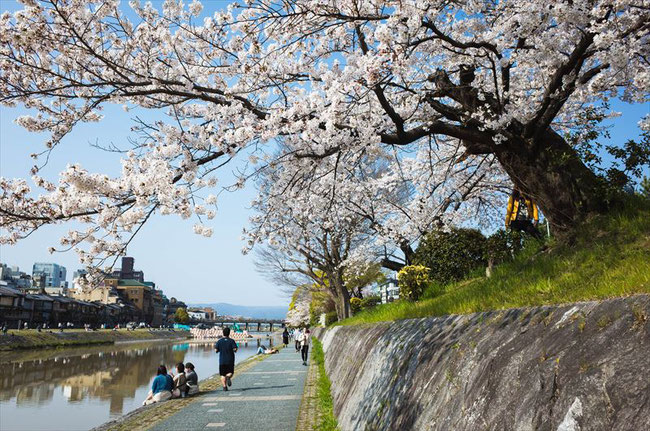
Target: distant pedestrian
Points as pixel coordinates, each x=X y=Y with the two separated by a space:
x=304 y=345
x=226 y=348
x=296 y=336
x=285 y=337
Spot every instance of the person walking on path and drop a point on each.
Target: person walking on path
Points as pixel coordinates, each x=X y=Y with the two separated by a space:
x=285 y=337
x=226 y=348
x=304 y=345
x=297 y=335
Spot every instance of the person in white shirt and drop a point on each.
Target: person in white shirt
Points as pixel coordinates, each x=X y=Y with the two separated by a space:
x=297 y=335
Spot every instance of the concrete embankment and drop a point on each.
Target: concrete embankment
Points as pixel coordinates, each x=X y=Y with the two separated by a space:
x=32 y=339
x=581 y=366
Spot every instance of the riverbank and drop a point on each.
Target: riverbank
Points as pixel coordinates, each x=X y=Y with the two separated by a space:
x=32 y=339
x=148 y=417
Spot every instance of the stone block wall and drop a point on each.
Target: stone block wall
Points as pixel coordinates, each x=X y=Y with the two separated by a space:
x=583 y=366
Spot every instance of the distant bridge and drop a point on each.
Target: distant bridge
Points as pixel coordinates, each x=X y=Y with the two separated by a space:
x=247 y=324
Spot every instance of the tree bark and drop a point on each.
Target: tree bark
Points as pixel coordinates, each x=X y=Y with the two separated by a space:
x=341 y=297
x=408 y=251
x=552 y=174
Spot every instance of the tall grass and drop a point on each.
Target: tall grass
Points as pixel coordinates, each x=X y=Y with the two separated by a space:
x=326 y=419
x=610 y=257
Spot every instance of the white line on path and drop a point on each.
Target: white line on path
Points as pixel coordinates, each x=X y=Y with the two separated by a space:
x=292 y=379
x=209 y=404
x=215 y=425
x=260 y=384
x=258 y=398
x=215 y=411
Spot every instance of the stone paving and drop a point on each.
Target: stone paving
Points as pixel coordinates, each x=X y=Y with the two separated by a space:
x=265 y=397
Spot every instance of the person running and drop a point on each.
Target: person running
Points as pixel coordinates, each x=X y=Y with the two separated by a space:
x=226 y=348
x=297 y=336
x=304 y=345
x=285 y=337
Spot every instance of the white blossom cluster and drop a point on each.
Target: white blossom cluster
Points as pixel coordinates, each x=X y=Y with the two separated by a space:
x=298 y=316
x=389 y=113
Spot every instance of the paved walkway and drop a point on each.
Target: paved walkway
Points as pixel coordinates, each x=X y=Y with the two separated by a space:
x=265 y=397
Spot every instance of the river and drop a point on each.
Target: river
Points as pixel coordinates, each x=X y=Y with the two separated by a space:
x=80 y=388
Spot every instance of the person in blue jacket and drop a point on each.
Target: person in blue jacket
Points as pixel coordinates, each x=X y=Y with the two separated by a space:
x=161 y=388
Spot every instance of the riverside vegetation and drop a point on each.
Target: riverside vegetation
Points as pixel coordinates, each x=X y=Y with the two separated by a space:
x=608 y=257
x=326 y=419
x=32 y=339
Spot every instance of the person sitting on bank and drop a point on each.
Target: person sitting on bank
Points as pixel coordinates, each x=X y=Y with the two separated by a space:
x=262 y=350
x=161 y=388
x=180 y=381
x=192 y=380
x=522 y=214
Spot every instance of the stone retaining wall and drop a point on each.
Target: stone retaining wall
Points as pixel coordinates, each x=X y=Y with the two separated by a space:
x=582 y=366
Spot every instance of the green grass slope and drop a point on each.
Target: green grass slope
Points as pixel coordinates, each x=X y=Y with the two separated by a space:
x=610 y=258
x=32 y=339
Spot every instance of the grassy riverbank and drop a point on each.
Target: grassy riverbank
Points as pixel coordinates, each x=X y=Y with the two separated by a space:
x=326 y=419
x=32 y=339
x=610 y=258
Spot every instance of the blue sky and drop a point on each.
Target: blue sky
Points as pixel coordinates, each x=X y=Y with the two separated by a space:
x=187 y=266
x=184 y=265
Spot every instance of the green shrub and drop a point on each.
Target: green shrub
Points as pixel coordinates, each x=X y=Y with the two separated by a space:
x=370 y=301
x=355 y=304
x=503 y=245
x=412 y=281
x=330 y=318
x=645 y=187
x=432 y=290
x=452 y=255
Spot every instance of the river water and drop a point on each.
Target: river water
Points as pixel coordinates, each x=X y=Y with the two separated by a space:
x=80 y=388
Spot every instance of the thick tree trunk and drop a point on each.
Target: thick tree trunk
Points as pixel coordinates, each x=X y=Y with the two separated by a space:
x=408 y=258
x=341 y=298
x=553 y=176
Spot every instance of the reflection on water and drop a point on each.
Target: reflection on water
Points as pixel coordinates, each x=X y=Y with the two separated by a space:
x=84 y=387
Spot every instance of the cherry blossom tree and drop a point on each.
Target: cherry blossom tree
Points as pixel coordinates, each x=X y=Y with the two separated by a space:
x=333 y=80
x=298 y=314
x=335 y=221
x=305 y=235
